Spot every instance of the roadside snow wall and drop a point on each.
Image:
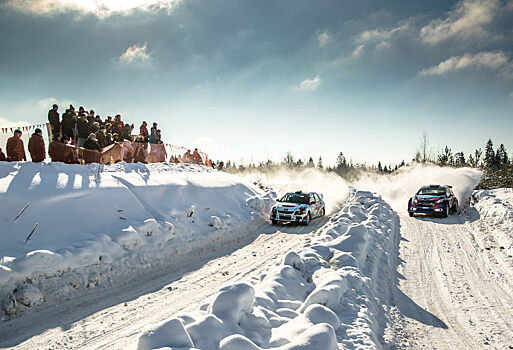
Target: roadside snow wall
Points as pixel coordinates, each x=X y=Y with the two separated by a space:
x=333 y=293
x=98 y=226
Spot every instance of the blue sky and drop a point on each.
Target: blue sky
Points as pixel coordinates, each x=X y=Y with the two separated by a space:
x=252 y=79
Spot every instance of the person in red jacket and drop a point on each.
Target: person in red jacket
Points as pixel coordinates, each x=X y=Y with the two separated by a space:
x=143 y=131
x=36 y=146
x=15 y=148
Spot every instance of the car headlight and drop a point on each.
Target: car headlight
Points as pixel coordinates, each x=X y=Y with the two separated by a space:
x=415 y=200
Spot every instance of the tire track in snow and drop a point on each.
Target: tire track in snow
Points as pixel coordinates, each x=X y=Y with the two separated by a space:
x=449 y=277
x=115 y=319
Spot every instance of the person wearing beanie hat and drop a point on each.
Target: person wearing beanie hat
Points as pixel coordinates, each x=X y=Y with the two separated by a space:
x=92 y=144
x=36 y=146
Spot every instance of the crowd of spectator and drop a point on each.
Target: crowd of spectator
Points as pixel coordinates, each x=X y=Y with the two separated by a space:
x=90 y=132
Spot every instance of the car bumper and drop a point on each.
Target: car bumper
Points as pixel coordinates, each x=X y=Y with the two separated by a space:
x=289 y=218
x=427 y=210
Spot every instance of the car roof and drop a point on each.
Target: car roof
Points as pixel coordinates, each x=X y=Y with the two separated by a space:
x=436 y=186
x=299 y=192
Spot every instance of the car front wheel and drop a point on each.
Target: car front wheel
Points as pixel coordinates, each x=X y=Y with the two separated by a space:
x=446 y=211
x=308 y=218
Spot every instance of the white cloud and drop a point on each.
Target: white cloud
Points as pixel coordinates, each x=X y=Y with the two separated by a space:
x=5 y=123
x=467 y=20
x=358 y=51
x=492 y=60
x=100 y=8
x=309 y=84
x=135 y=53
x=381 y=37
x=322 y=38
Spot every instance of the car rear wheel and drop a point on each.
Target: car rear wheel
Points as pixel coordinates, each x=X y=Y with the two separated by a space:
x=323 y=212
x=411 y=214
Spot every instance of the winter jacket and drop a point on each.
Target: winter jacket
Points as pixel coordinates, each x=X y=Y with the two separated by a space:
x=53 y=118
x=153 y=138
x=83 y=128
x=15 y=149
x=143 y=131
x=100 y=137
x=92 y=145
x=68 y=124
x=3 y=158
x=56 y=151
x=36 y=148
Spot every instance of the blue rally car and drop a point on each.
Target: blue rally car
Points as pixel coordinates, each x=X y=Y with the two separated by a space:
x=433 y=199
x=298 y=207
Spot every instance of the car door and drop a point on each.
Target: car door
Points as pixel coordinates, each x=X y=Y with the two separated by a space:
x=313 y=205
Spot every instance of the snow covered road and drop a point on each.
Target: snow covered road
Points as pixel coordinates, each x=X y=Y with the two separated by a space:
x=114 y=318
x=453 y=293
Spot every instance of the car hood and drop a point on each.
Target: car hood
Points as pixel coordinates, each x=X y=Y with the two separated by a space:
x=289 y=206
x=428 y=198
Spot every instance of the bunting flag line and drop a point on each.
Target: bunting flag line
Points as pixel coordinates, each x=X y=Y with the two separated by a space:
x=25 y=128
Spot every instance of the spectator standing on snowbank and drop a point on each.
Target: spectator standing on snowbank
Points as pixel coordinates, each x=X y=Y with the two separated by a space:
x=36 y=146
x=3 y=158
x=53 y=119
x=143 y=131
x=15 y=148
x=92 y=144
x=83 y=130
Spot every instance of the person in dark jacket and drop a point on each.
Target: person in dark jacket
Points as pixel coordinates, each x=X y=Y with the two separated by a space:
x=92 y=144
x=68 y=124
x=83 y=130
x=3 y=158
x=36 y=146
x=53 y=119
x=15 y=148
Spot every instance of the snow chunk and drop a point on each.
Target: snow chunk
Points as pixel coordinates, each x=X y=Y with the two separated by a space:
x=216 y=222
x=170 y=334
x=233 y=302
x=29 y=295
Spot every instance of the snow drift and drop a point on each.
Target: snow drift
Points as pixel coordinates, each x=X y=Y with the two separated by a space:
x=95 y=226
x=493 y=215
x=325 y=296
x=398 y=187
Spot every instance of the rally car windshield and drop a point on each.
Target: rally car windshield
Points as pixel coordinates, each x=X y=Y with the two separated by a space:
x=431 y=191
x=295 y=198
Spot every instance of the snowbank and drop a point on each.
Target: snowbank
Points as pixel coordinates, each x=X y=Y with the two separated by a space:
x=95 y=226
x=332 y=293
x=494 y=218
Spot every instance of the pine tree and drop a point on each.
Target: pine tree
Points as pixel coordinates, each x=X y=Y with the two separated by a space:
x=310 y=163
x=459 y=159
x=289 y=160
x=319 y=163
x=502 y=155
x=380 y=168
x=489 y=158
x=446 y=157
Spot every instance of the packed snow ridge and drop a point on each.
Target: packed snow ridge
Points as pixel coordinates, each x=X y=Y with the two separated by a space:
x=334 y=292
x=66 y=229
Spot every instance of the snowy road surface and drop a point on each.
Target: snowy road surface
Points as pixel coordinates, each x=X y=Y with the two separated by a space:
x=113 y=319
x=453 y=293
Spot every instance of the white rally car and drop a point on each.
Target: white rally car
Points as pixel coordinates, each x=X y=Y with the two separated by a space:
x=298 y=207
